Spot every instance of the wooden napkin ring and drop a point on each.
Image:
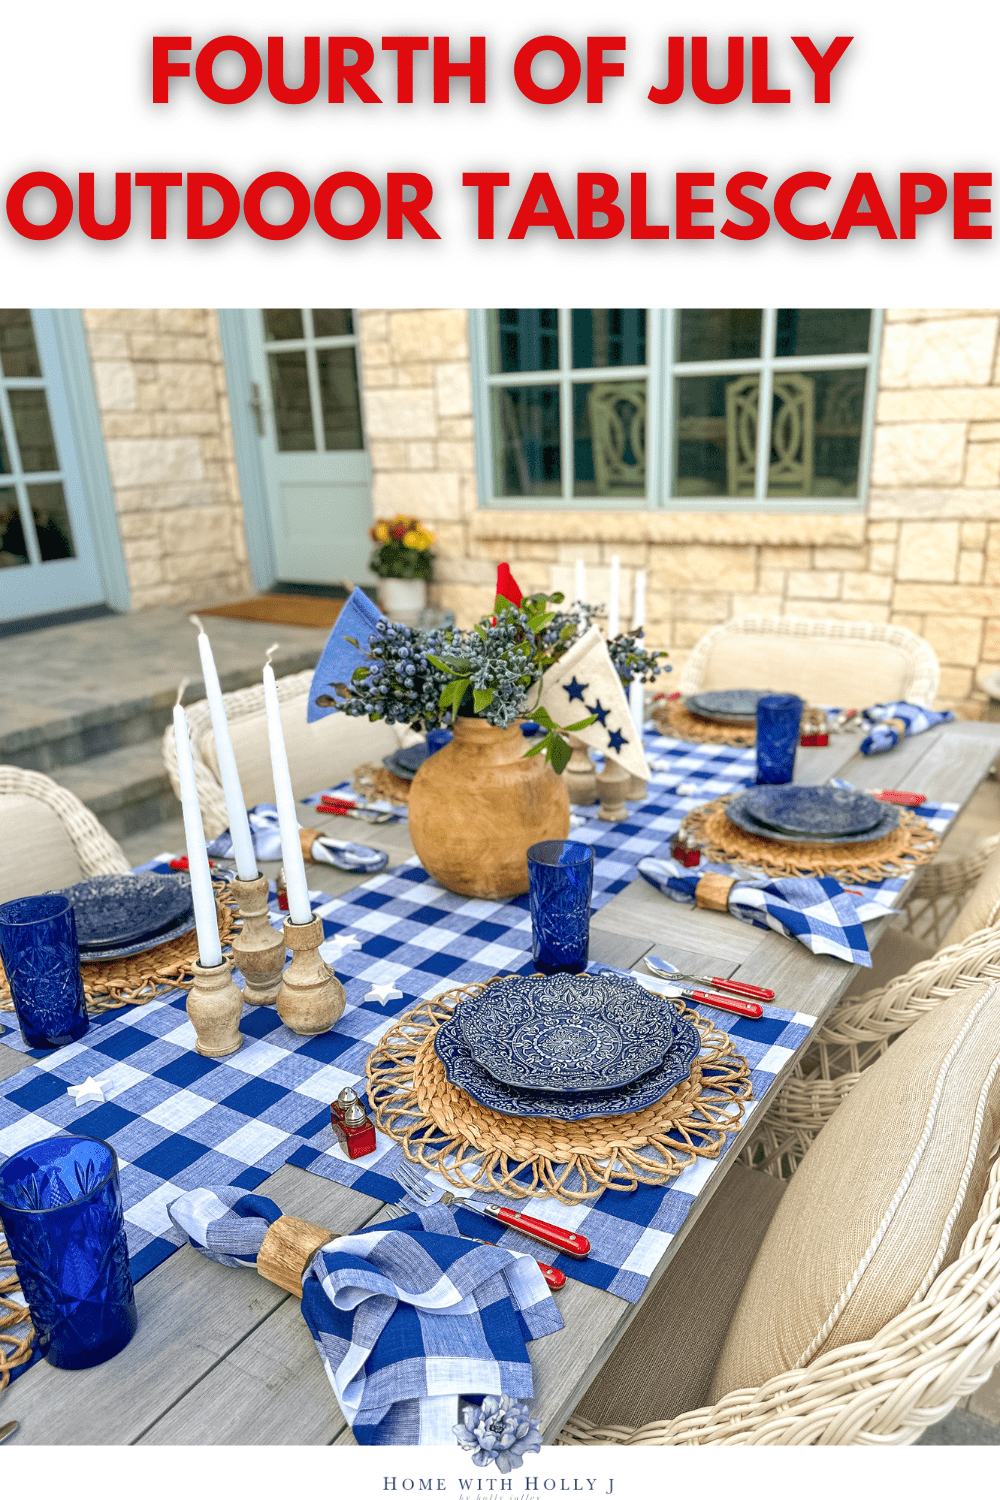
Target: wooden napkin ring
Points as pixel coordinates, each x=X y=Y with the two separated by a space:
x=308 y=837
x=712 y=891
x=288 y=1247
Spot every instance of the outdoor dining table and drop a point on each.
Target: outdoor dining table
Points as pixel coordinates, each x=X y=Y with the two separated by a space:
x=223 y=1356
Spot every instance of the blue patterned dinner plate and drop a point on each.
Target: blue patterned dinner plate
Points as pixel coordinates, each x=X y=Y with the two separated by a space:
x=177 y=929
x=814 y=811
x=406 y=762
x=112 y=910
x=728 y=705
x=462 y=1071
x=566 y=1033
x=737 y=812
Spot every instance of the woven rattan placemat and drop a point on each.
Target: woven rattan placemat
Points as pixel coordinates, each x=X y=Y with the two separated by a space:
x=446 y=1131
x=376 y=781
x=139 y=979
x=912 y=843
x=14 y=1350
x=678 y=723
x=673 y=719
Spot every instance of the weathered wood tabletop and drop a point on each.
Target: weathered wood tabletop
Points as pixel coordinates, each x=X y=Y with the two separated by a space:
x=222 y=1356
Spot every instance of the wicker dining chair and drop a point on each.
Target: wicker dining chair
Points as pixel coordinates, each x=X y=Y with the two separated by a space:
x=850 y=663
x=319 y=755
x=48 y=839
x=889 y=1387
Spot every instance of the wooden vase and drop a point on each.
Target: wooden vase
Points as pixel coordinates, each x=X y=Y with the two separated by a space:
x=477 y=805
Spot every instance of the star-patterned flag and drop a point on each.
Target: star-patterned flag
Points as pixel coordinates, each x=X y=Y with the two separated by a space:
x=584 y=681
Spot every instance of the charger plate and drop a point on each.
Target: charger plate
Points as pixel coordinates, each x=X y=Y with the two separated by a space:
x=737 y=813
x=115 y=910
x=462 y=1070
x=910 y=844
x=444 y=1130
x=825 y=811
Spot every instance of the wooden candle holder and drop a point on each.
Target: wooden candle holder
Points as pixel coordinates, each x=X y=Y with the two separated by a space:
x=612 y=788
x=581 y=777
x=311 y=997
x=636 y=790
x=214 y=1007
x=258 y=949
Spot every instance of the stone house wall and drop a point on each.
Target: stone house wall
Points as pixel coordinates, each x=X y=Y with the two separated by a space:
x=926 y=554
x=161 y=392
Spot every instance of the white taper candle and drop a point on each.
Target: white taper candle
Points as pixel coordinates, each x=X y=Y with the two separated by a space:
x=614 y=599
x=639 y=602
x=299 y=909
x=636 y=702
x=239 y=825
x=202 y=895
x=580 y=583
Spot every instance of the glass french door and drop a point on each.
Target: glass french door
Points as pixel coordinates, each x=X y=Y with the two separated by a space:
x=307 y=407
x=47 y=556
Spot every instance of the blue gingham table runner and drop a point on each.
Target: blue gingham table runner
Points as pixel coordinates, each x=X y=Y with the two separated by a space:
x=178 y=1120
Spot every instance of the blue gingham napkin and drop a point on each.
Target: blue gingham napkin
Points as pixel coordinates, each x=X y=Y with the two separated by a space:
x=816 y=910
x=266 y=835
x=407 y=1316
x=885 y=736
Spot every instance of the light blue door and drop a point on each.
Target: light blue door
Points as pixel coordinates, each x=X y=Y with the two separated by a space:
x=307 y=406
x=48 y=560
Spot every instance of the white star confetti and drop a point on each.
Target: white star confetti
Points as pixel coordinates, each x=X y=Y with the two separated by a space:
x=90 y=1091
x=384 y=992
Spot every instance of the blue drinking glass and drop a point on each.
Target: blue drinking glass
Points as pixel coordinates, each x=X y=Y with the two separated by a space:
x=41 y=958
x=779 y=716
x=561 y=879
x=61 y=1210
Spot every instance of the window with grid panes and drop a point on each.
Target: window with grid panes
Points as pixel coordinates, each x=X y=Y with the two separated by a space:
x=34 y=520
x=637 y=407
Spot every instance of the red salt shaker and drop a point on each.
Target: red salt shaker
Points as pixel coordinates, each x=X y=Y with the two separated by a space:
x=685 y=851
x=351 y=1126
x=282 y=890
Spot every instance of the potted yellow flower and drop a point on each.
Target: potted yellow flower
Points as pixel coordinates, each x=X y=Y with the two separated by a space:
x=402 y=560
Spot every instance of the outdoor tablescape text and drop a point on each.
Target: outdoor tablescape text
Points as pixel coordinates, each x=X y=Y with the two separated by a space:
x=310 y=73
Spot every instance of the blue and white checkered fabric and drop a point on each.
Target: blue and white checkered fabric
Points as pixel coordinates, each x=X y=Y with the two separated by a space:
x=179 y=1121
x=819 y=912
x=266 y=834
x=886 y=736
x=407 y=1317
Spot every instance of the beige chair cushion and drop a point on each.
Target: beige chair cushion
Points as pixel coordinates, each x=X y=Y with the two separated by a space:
x=319 y=755
x=982 y=907
x=896 y=953
x=37 y=852
x=869 y=1206
x=839 y=672
x=664 y=1364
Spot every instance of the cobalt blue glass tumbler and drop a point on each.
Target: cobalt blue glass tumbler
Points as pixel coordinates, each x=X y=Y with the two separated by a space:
x=779 y=716
x=41 y=958
x=61 y=1210
x=561 y=879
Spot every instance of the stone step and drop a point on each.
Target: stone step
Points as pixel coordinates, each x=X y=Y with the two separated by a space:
x=70 y=693
x=127 y=789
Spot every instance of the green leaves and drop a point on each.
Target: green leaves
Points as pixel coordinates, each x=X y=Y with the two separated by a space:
x=452 y=694
x=481 y=700
x=554 y=746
